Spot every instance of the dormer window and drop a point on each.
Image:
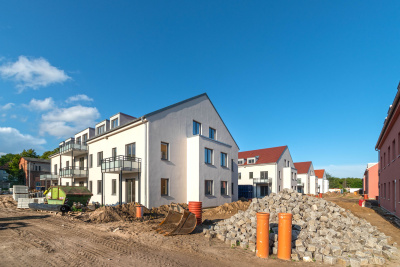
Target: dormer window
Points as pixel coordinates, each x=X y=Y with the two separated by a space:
x=251 y=161
x=240 y=161
x=101 y=129
x=114 y=123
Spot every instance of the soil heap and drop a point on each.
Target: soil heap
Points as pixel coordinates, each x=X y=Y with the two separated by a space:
x=7 y=202
x=321 y=230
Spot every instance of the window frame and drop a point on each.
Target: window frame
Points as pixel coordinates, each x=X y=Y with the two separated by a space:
x=114 y=153
x=99 y=187
x=98 y=158
x=166 y=187
x=91 y=161
x=130 y=145
x=112 y=123
x=208 y=159
x=226 y=188
x=239 y=176
x=167 y=154
x=91 y=186
x=114 y=187
x=232 y=191
x=224 y=160
x=251 y=175
x=206 y=187
x=198 y=128
x=212 y=133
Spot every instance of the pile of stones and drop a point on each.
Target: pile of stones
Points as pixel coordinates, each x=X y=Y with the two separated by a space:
x=321 y=231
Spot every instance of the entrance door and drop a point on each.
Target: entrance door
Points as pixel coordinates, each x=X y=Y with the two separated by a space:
x=130 y=190
x=263 y=190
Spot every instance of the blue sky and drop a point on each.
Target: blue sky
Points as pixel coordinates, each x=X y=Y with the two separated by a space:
x=317 y=76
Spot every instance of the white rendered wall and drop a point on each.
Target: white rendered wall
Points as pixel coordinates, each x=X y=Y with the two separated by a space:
x=305 y=181
x=257 y=169
x=313 y=184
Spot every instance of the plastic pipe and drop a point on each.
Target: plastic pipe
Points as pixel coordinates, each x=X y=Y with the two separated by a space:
x=262 y=235
x=320 y=195
x=284 y=236
x=139 y=211
x=365 y=196
x=195 y=207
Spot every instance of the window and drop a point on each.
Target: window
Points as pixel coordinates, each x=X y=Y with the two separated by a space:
x=99 y=158
x=232 y=191
x=81 y=183
x=130 y=150
x=388 y=191
x=240 y=161
x=114 y=186
x=55 y=169
x=264 y=175
x=78 y=140
x=394 y=150
x=389 y=155
x=250 y=161
x=251 y=175
x=212 y=133
x=196 y=128
x=164 y=187
x=36 y=168
x=90 y=160
x=285 y=162
x=288 y=163
x=101 y=129
x=279 y=176
x=114 y=153
x=232 y=164
x=224 y=157
x=40 y=168
x=99 y=189
x=240 y=176
x=164 y=151
x=114 y=123
x=279 y=189
x=67 y=164
x=90 y=186
x=209 y=188
x=208 y=156
x=38 y=184
x=384 y=159
x=67 y=183
x=85 y=139
x=224 y=189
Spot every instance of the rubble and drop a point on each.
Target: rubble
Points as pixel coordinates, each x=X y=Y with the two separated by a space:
x=321 y=230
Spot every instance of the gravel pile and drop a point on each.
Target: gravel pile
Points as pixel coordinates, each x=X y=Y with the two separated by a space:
x=322 y=231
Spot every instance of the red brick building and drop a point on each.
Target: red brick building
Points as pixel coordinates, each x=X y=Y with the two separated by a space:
x=33 y=168
x=388 y=146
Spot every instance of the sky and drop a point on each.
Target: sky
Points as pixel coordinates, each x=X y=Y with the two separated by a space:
x=318 y=76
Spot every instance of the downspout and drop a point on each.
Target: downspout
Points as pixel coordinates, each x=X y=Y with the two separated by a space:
x=145 y=163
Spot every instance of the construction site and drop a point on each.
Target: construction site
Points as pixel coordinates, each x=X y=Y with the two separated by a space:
x=332 y=230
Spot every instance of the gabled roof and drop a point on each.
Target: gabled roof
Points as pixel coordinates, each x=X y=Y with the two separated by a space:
x=302 y=167
x=37 y=160
x=266 y=155
x=319 y=173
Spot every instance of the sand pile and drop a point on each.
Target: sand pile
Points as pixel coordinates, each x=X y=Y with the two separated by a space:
x=7 y=202
x=228 y=208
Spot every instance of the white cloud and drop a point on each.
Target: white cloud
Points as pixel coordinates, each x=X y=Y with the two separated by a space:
x=12 y=141
x=13 y=116
x=7 y=106
x=33 y=73
x=41 y=105
x=65 y=122
x=343 y=171
x=78 y=98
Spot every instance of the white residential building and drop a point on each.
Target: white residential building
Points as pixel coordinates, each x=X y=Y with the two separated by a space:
x=306 y=175
x=267 y=170
x=323 y=182
x=180 y=153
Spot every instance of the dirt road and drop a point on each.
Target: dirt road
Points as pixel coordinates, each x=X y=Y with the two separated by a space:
x=30 y=238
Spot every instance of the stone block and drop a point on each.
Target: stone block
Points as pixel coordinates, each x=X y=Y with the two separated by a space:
x=330 y=260
x=354 y=262
x=294 y=257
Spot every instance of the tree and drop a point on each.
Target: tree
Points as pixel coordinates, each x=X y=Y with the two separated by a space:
x=46 y=154
x=16 y=174
x=6 y=159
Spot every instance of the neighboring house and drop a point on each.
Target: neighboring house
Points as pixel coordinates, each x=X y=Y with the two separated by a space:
x=306 y=175
x=33 y=168
x=388 y=145
x=180 y=153
x=4 y=184
x=267 y=170
x=323 y=183
x=371 y=180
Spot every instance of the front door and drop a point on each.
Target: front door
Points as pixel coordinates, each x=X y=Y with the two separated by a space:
x=263 y=190
x=130 y=190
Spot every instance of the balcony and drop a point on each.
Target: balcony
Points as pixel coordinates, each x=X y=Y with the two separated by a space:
x=48 y=176
x=299 y=183
x=75 y=148
x=126 y=164
x=262 y=181
x=74 y=172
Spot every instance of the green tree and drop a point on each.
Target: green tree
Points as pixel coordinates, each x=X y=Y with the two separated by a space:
x=6 y=159
x=17 y=175
x=46 y=154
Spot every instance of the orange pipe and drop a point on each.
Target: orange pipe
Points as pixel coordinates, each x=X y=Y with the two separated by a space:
x=284 y=236
x=262 y=235
x=139 y=211
x=195 y=207
x=365 y=196
x=320 y=195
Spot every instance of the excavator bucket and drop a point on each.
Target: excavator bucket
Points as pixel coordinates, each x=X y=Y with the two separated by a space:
x=177 y=222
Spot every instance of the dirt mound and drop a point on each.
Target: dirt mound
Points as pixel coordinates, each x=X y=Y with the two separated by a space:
x=7 y=202
x=163 y=210
x=228 y=208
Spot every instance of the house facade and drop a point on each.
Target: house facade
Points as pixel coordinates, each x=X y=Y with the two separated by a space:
x=323 y=183
x=388 y=147
x=33 y=168
x=371 y=180
x=180 y=153
x=306 y=176
x=268 y=170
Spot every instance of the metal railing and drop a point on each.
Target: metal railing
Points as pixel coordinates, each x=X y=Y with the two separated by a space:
x=121 y=163
x=262 y=181
x=49 y=176
x=73 y=145
x=74 y=171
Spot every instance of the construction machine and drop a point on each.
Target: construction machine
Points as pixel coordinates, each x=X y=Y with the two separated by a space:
x=178 y=221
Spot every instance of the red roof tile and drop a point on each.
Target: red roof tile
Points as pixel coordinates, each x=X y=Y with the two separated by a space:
x=302 y=167
x=319 y=173
x=266 y=155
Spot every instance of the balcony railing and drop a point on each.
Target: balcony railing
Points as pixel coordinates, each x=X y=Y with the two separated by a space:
x=299 y=182
x=262 y=181
x=48 y=176
x=73 y=145
x=121 y=163
x=74 y=172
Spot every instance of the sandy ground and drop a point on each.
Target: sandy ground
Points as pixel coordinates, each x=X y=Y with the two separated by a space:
x=31 y=238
